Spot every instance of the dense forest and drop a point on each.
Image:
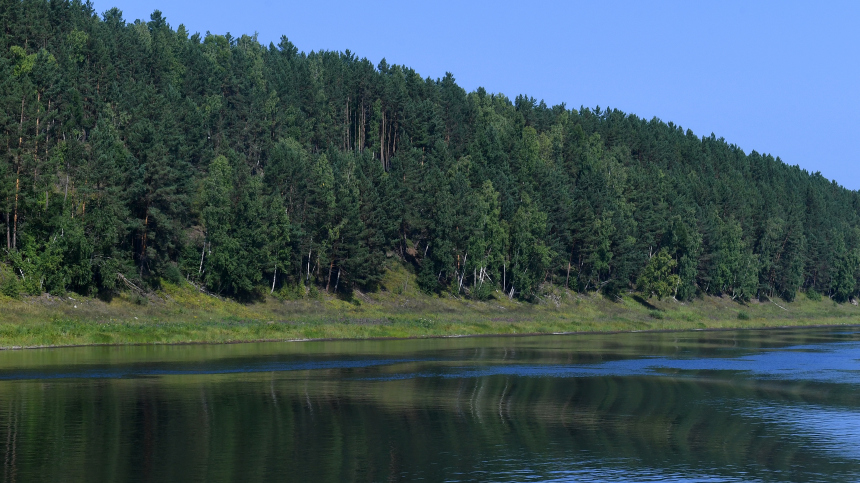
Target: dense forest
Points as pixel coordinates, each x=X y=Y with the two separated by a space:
x=135 y=153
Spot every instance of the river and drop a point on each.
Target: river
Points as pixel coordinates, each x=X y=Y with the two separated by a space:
x=757 y=405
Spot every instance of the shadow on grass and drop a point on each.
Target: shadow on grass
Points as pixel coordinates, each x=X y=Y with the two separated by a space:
x=348 y=296
x=644 y=303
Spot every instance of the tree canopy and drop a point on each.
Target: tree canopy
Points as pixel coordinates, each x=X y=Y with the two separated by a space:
x=136 y=152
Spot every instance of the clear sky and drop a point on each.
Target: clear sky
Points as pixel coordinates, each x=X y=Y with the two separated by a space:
x=778 y=77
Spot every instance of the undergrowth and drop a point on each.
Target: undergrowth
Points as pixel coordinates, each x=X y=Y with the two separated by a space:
x=180 y=313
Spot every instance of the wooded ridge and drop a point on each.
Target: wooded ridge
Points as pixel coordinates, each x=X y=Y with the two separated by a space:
x=135 y=153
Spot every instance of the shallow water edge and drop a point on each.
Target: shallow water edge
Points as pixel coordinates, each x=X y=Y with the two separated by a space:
x=443 y=336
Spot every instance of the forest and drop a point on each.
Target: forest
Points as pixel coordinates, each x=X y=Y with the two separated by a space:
x=135 y=153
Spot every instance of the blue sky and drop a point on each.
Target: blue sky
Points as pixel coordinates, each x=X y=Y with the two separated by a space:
x=775 y=77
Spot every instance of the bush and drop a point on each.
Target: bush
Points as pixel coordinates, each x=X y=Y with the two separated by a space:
x=482 y=292
x=743 y=315
x=172 y=274
x=10 y=286
x=138 y=299
x=32 y=286
x=427 y=279
x=811 y=294
x=422 y=322
x=291 y=292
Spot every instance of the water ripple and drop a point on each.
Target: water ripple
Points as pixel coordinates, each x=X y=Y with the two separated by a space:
x=830 y=363
x=128 y=372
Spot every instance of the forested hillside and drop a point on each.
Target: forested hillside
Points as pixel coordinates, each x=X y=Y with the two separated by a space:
x=136 y=152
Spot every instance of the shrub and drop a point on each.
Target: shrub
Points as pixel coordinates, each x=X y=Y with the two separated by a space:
x=10 y=286
x=138 y=299
x=811 y=294
x=172 y=274
x=291 y=292
x=32 y=286
x=482 y=292
x=422 y=322
x=743 y=315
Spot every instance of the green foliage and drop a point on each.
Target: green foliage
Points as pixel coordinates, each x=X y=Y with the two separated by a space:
x=423 y=323
x=231 y=216
x=138 y=152
x=482 y=291
x=657 y=278
x=743 y=315
x=77 y=43
x=686 y=242
x=172 y=274
x=10 y=285
x=844 y=269
x=290 y=291
x=529 y=255
x=488 y=244
x=734 y=267
x=427 y=280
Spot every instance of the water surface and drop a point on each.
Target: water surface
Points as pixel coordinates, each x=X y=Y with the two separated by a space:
x=772 y=405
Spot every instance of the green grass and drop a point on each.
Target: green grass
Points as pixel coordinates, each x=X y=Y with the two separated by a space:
x=182 y=314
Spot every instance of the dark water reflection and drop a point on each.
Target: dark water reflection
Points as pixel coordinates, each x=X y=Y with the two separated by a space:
x=700 y=406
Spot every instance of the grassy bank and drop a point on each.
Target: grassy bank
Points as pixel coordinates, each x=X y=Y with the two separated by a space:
x=182 y=314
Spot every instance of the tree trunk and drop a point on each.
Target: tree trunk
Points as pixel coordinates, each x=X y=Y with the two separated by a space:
x=346 y=126
x=47 y=131
x=394 y=140
x=330 y=269
x=310 y=251
x=461 y=275
x=337 y=282
x=567 y=280
x=145 y=227
x=15 y=220
x=21 y=126
x=143 y=244
x=18 y=174
x=359 y=141
x=202 y=254
x=274 y=277
x=382 y=143
x=36 y=137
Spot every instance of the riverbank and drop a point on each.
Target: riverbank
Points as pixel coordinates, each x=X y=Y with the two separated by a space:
x=181 y=314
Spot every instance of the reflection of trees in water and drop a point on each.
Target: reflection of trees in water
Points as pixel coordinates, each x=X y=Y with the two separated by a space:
x=369 y=423
x=10 y=455
x=273 y=426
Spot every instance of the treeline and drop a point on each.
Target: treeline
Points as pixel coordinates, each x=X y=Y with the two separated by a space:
x=135 y=153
